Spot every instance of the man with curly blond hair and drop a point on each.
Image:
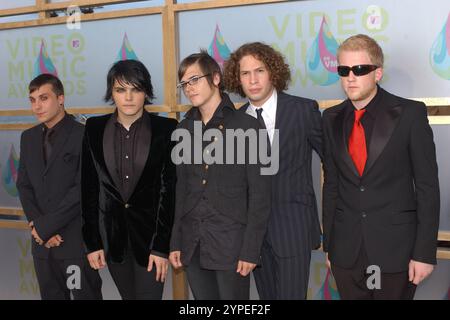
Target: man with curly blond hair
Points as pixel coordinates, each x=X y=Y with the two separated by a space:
x=260 y=73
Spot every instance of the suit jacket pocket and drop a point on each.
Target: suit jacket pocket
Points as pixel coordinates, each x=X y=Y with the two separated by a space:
x=305 y=198
x=404 y=217
x=233 y=192
x=69 y=157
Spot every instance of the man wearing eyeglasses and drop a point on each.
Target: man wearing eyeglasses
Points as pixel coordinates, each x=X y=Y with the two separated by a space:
x=222 y=207
x=381 y=189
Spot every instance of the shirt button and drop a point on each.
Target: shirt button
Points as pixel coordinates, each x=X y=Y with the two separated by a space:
x=127 y=136
x=362 y=189
x=127 y=205
x=126 y=157
x=126 y=177
x=203 y=181
x=364 y=214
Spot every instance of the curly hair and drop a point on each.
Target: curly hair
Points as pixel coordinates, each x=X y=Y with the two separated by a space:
x=280 y=74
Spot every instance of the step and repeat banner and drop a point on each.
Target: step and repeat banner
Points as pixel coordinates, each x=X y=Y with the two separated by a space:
x=415 y=37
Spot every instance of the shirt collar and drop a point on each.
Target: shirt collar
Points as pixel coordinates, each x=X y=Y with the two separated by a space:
x=225 y=106
x=268 y=106
x=57 y=127
x=372 y=107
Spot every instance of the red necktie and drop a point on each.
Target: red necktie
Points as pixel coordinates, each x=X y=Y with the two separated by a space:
x=357 y=143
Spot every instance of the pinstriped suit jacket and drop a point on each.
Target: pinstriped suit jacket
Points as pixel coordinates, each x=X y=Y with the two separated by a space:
x=294 y=226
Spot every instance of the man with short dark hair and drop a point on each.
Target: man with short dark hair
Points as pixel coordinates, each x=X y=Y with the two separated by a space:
x=49 y=189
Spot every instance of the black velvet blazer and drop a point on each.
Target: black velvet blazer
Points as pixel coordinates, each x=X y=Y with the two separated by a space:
x=144 y=220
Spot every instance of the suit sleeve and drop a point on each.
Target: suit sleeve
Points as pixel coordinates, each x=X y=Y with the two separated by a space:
x=166 y=206
x=175 y=240
x=423 y=158
x=24 y=186
x=89 y=197
x=69 y=208
x=330 y=184
x=315 y=133
x=258 y=211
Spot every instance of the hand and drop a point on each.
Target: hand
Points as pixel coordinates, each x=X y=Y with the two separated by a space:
x=175 y=260
x=36 y=236
x=327 y=261
x=244 y=268
x=54 y=241
x=161 y=264
x=418 y=271
x=97 y=259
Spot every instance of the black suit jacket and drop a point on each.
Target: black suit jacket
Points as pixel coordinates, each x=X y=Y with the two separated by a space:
x=237 y=191
x=294 y=226
x=393 y=208
x=144 y=220
x=50 y=195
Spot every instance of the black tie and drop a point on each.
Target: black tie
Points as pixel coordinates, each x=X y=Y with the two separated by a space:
x=47 y=144
x=263 y=125
x=260 y=118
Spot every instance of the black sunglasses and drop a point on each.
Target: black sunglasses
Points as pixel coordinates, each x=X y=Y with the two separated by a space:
x=359 y=70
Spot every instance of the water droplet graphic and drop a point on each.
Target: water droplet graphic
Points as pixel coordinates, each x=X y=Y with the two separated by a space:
x=321 y=63
x=9 y=173
x=43 y=63
x=126 y=52
x=218 y=49
x=440 y=52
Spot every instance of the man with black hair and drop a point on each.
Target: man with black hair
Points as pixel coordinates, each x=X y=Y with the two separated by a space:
x=49 y=188
x=128 y=186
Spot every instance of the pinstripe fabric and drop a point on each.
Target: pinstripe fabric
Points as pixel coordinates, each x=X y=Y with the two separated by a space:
x=294 y=228
x=282 y=278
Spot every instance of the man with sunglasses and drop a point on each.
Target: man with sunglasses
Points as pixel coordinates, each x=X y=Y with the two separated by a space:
x=381 y=189
x=222 y=207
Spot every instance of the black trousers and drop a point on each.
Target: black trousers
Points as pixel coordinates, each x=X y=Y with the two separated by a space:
x=54 y=276
x=281 y=278
x=133 y=281
x=216 y=284
x=352 y=284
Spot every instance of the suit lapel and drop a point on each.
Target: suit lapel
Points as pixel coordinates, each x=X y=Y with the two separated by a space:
x=385 y=123
x=282 y=118
x=341 y=141
x=143 y=145
x=108 y=151
x=60 y=142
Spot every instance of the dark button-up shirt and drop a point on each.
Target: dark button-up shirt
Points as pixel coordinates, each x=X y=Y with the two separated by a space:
x=53 y=134
x=125 y=150
x=367 y=120
x=208 y=228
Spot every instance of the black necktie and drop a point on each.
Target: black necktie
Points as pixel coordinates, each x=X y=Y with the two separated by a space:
x=263 y=126
x=260 y=118
x=47 y=144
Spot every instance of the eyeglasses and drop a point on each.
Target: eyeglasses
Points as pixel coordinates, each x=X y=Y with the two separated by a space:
x=192 y=81
x=359 y=70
